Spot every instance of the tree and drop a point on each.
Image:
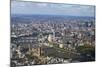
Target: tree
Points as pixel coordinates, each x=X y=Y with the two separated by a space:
x=87 y=53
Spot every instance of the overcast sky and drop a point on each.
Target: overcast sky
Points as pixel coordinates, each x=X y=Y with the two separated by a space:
x=51 y=9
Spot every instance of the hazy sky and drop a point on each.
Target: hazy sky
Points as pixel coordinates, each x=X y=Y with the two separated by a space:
x=51 y=9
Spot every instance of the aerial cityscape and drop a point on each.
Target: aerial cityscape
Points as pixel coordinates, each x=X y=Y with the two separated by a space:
x=50 y=33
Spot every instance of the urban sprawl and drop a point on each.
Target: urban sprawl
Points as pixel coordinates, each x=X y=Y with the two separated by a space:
x=50 y=39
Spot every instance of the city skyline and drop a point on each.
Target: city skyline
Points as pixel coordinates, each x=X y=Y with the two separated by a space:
x=52 y=9
x=49 y=33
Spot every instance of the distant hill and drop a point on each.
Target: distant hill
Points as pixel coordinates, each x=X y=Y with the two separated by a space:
x=59 y=18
